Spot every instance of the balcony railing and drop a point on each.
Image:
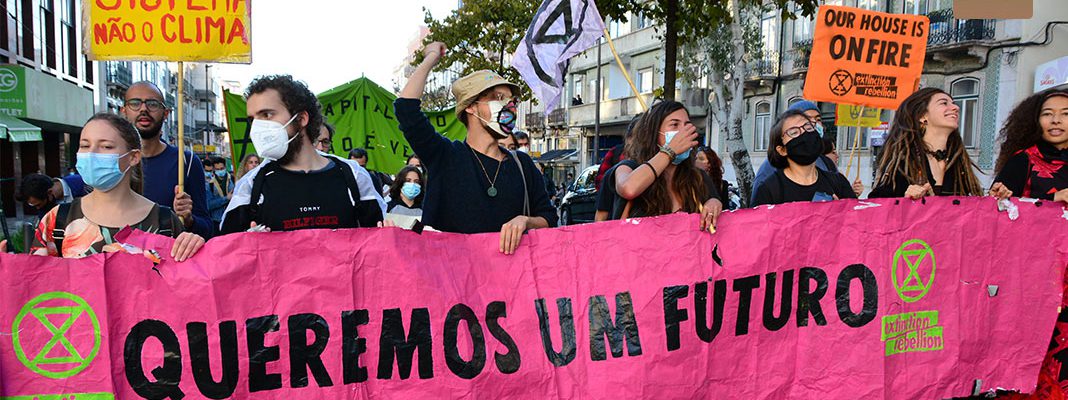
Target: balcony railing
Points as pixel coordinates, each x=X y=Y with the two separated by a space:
x=768 y=65
x=535 y=121
x=558 y=117
x=802 y=52
x=119 y=74
x=947 y=30
x=202 y=94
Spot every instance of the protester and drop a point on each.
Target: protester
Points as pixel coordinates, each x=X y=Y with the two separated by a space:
x=767 y=170
x=219 y=188
x=707 y=160
x=924 y=154
x=830 y=150
x=325 y=142
x=659 y=176
x=508 y=142
x=477 y=186
x=109 y=159
x=406 y=194
x=222 y=175
x=793 y=149
x=522 y=141
x=413 y=161
x=248 y=163
x=607 y=199
x=381 y=181
x=144 y=107
x=1034 y=148
x=299 y=188
x=43 y=193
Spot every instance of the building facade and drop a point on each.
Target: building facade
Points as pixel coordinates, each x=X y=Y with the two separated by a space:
x=988 y=66
x=47 y=92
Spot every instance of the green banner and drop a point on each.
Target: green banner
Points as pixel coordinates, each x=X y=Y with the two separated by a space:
x=362 y=113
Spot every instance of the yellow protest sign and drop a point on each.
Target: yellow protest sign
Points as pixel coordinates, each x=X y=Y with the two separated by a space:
x=173 y=30
x=850 y=115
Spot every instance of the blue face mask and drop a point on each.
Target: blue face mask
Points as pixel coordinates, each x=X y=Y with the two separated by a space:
x=220 y=173
x=411 y=189
x=207 y=174
x=819 y=129
x=679 y=158
x=100 y=170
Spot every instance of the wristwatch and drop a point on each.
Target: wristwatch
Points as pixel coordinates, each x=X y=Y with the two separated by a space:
x=667 y=150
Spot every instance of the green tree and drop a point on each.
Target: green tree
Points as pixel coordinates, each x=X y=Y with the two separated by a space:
x=481 y=35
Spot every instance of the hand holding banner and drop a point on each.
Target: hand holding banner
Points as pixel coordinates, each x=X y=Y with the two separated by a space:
x=865 y=57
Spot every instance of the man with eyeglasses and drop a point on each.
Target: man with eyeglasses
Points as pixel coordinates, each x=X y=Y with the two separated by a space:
x=476 y=185
x=143 y=106
x=325 y=140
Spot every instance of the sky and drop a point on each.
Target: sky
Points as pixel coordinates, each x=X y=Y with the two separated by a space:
x=327 y=43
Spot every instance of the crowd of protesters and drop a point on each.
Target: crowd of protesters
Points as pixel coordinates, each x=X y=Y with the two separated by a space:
x=127 y=176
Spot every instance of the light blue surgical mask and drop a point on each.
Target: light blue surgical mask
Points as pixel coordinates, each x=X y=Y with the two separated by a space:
x=819 y=129
x=679 y=158
x=411 y=189
x=101 y=170
x=220 y=173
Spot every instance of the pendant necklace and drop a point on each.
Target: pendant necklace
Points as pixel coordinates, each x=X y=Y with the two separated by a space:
x=492 y=191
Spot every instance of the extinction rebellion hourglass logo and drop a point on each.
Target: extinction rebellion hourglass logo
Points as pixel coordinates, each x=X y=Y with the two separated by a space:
x=913 y=275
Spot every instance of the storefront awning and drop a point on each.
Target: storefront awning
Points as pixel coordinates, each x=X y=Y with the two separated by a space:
x=556 y=155
x=17 y=130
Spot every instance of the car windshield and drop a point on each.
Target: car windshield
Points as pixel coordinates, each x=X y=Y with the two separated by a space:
x=586 y=180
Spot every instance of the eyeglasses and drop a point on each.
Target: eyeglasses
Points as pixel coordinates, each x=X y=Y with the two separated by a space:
x=323 y=142
x=798 y=130
x=152 y=104
x=500 y=97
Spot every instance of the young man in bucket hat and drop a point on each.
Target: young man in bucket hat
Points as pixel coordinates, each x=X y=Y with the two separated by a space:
x=475 y=186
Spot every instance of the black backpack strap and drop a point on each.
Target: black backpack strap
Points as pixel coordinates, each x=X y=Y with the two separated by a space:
x=257 y=189
x=526 y=191
x=59 y=229
x=354 y=188
x=165 y=222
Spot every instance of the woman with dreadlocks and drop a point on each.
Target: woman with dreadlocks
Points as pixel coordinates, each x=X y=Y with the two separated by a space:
x=1034 y=147
x=924 y=154
x=659 y=176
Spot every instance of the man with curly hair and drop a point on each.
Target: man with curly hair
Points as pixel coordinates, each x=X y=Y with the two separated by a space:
x=297 y=187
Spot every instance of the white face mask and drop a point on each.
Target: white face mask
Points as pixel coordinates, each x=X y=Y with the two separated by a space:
x=271 y=138
x=525 y=149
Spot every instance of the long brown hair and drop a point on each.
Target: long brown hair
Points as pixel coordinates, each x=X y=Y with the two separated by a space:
x=1022 y=130
x=243 y=168
x=687 y=180
x=132 y=139
x=905 y=152
x=398 y=183
x=715 y=164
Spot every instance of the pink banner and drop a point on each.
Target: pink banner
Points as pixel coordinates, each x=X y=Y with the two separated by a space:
x=847 y=299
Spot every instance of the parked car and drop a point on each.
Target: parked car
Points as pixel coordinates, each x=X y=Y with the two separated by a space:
x=578 y=204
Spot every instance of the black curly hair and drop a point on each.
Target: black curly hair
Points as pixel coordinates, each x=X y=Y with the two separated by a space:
x=1021 y=130
x=295 y=95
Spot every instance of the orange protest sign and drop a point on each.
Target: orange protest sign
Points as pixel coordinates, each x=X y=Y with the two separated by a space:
x=187 y=30
x=865 y=58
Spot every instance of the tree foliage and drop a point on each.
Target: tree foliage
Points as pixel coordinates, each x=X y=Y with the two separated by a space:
x=481 y=35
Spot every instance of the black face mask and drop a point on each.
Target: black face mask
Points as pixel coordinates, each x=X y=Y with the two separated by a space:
x=805 y=149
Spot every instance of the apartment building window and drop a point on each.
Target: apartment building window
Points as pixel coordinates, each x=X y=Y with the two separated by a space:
x=872 y=5
x=617 y=28
x=48 y=37
x=768 y=34
x=642 y=21
x=576 y=85
x=68 y=38
x=918 y=7
x=21 y=14
x=802 y=28
x=965 y=93
x=851 y=135
x=763 y=126
x=645 y=80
